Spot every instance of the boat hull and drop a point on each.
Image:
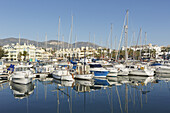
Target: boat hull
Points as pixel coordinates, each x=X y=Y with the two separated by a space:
x=99 y=74
x=63 y=77
x=142 y=73
x=84 y=77
x=22 y=80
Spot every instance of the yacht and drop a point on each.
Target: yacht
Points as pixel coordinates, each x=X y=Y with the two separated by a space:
x=112 y=71
x=142 y=71
x=98 y=70
x=163 y=70
x=122 y=70
x=62 y=74
x=83 y=72
x=22 y=74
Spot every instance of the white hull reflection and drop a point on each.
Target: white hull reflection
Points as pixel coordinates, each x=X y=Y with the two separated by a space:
x=84 y=82
x=64 y=83
x=21 y=91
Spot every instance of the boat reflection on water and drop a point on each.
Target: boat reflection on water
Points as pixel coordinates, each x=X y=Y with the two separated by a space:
x=83 y=85
x=121 y=94
x=63 y=83
x=165 y=77
x=136 y=80
x=21 y=91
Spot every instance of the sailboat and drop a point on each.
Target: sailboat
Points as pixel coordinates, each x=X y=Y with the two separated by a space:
x=83 y=71
x=142 y=70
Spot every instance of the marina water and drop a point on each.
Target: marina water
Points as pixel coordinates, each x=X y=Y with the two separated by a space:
x=125 y=94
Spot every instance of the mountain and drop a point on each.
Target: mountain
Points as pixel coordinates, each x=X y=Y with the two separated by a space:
x=50 y=44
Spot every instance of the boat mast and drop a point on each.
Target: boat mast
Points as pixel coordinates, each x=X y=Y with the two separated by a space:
x=115 y=48
x=63 y=45
x=94 y=46
x=111 y=42
x=89 y=39
x=37 y=39
x=140 y=43
x=134 y=46
x=46 y=41
x=58 y=33
x=145 y=38
x=19 y=38
x=126 y=37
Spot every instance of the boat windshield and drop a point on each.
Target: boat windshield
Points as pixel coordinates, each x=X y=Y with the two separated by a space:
x=22 y=69
x=0 y=63
x=95 y=65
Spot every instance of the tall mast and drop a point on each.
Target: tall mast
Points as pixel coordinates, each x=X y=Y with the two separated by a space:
x=58 y=33
x=111 y=42
x=71 y=33
x=115 y=48
x=89 y=39
x=94 y=46
x=126 y=36
x=70 y=37
x=76 y=41
x=145 y=38
x=140 y=42
x=46 y=41
x=63 y=45
x=37 y=39
x=134 y=45
x=19 y=38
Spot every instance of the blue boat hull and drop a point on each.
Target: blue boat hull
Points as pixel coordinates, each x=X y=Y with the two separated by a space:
x=100 y=73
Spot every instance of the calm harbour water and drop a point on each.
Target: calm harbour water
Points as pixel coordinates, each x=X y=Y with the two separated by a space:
x=113 y=95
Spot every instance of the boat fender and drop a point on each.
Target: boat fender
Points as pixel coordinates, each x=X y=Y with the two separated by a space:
x=142 y=68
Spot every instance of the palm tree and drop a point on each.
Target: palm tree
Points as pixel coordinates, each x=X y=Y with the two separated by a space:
x=2 y=53
x=19 y=56
x=25 y=54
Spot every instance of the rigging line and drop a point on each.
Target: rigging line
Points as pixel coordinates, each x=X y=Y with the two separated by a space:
x=121 y=37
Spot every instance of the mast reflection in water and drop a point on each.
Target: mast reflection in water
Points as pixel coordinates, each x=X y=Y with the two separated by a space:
x=127 y=94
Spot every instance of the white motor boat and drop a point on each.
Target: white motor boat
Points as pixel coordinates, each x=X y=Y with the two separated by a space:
x=163 y=70
x=112 y=71
x=98 y=70
x=142 y=71
x=62 y=74
x=122 y=70
x=22 y=74
x=83 y=73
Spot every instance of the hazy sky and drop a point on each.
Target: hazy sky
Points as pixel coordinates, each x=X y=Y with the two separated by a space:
x=30 y=17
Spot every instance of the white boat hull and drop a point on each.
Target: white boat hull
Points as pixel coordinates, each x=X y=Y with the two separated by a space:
x=84 y=77
x=63 y=77
x=147 y=73
x=110 y=74
x=22 y=80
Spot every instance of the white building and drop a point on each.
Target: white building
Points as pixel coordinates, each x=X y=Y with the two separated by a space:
x=146 y=47
x=75 y=52
x=33 y=53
